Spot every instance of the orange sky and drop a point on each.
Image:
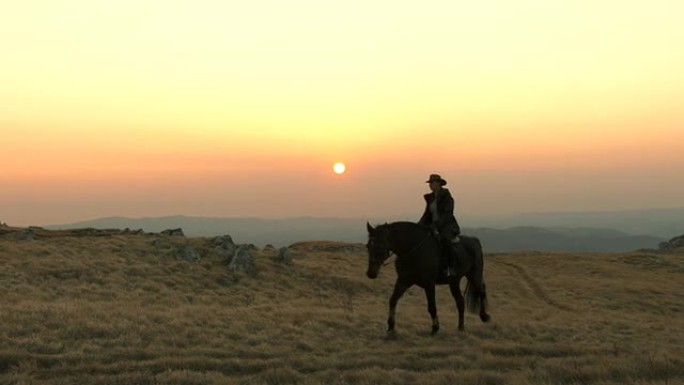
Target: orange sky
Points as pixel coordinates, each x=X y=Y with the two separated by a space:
x=219 y=109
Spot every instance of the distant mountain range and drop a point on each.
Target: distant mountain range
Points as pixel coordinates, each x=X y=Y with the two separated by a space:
x=562 y=239
x=286 y=231
x=663 y=223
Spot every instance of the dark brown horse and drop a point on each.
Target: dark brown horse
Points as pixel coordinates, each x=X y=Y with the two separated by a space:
x=417 y=263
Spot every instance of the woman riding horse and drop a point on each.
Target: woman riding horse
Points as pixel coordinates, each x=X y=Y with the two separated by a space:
x=417 y=263
x=439 y=215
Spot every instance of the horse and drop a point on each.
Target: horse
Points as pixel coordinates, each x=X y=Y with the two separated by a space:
x=417 y=263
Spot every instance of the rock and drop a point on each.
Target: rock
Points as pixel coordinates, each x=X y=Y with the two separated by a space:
x=174 y=232
x=672 y=244
x=27 y=235
x=284 y=256
x=223 y=240
x=224 y=246
x=188 y=253
x=225 y=253
x=677 y=242
x=242 y=261
x=269 y=247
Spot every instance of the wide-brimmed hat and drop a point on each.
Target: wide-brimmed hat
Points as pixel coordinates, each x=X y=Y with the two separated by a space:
x=436 y=178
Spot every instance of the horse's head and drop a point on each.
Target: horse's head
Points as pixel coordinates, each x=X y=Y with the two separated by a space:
x=378 y=248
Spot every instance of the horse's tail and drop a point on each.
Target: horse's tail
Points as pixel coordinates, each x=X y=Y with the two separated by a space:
x=476 y=300
x=476 y=293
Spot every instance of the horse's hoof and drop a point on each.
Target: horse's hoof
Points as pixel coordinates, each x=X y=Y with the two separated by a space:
x=485 y=317
x=435 y=329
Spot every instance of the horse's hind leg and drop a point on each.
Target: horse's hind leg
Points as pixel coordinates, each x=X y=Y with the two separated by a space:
x=455 y=287
x=399 y=289
x=483 y=304
x=432 y=307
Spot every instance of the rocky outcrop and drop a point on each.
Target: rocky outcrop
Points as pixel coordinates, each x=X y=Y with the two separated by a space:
x=173 y=232
x=33 y=232
x=170 y=242
x=224 y=246
x=284 y=256
x=27 y=235
x=672 y=244
x=242 y=261
x=133 y=232
x=188 y=253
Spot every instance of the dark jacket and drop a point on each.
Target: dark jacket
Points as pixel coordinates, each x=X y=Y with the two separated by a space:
x=445 y=207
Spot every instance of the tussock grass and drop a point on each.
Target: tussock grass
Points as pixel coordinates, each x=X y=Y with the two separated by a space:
x=124 y=309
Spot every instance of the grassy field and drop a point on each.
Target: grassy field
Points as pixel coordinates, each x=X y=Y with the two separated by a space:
x=123 y=309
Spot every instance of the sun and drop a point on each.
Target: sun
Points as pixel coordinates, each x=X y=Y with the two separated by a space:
x=339 y=168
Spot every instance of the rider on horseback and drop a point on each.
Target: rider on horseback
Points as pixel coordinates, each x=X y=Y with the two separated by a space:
x=439 y=214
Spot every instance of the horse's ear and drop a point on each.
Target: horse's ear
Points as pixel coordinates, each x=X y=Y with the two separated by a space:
x=369 y=228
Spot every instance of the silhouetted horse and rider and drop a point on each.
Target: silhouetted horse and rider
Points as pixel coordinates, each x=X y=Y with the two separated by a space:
x=427 y=255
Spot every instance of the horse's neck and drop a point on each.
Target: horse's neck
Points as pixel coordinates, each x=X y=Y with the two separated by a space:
x=404 y=238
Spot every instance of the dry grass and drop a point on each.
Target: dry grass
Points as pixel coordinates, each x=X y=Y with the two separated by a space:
x=120 y=310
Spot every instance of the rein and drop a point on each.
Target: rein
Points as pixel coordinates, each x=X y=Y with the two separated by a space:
x=413 y=250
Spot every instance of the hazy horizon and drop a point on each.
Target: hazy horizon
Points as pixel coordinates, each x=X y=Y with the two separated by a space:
x=491 y=220
x=217 y=109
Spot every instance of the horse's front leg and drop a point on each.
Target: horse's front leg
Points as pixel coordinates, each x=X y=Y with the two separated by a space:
x=455 y=287
x=432 y=307
x=399 y=289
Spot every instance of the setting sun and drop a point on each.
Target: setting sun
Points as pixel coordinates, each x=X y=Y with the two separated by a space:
x=530 y=105
x=339 y=168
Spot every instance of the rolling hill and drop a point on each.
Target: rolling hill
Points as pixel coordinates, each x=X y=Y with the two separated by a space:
x=126 y=309
x=283 y=232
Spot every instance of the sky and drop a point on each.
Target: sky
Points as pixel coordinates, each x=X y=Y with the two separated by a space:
x=240 y=108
